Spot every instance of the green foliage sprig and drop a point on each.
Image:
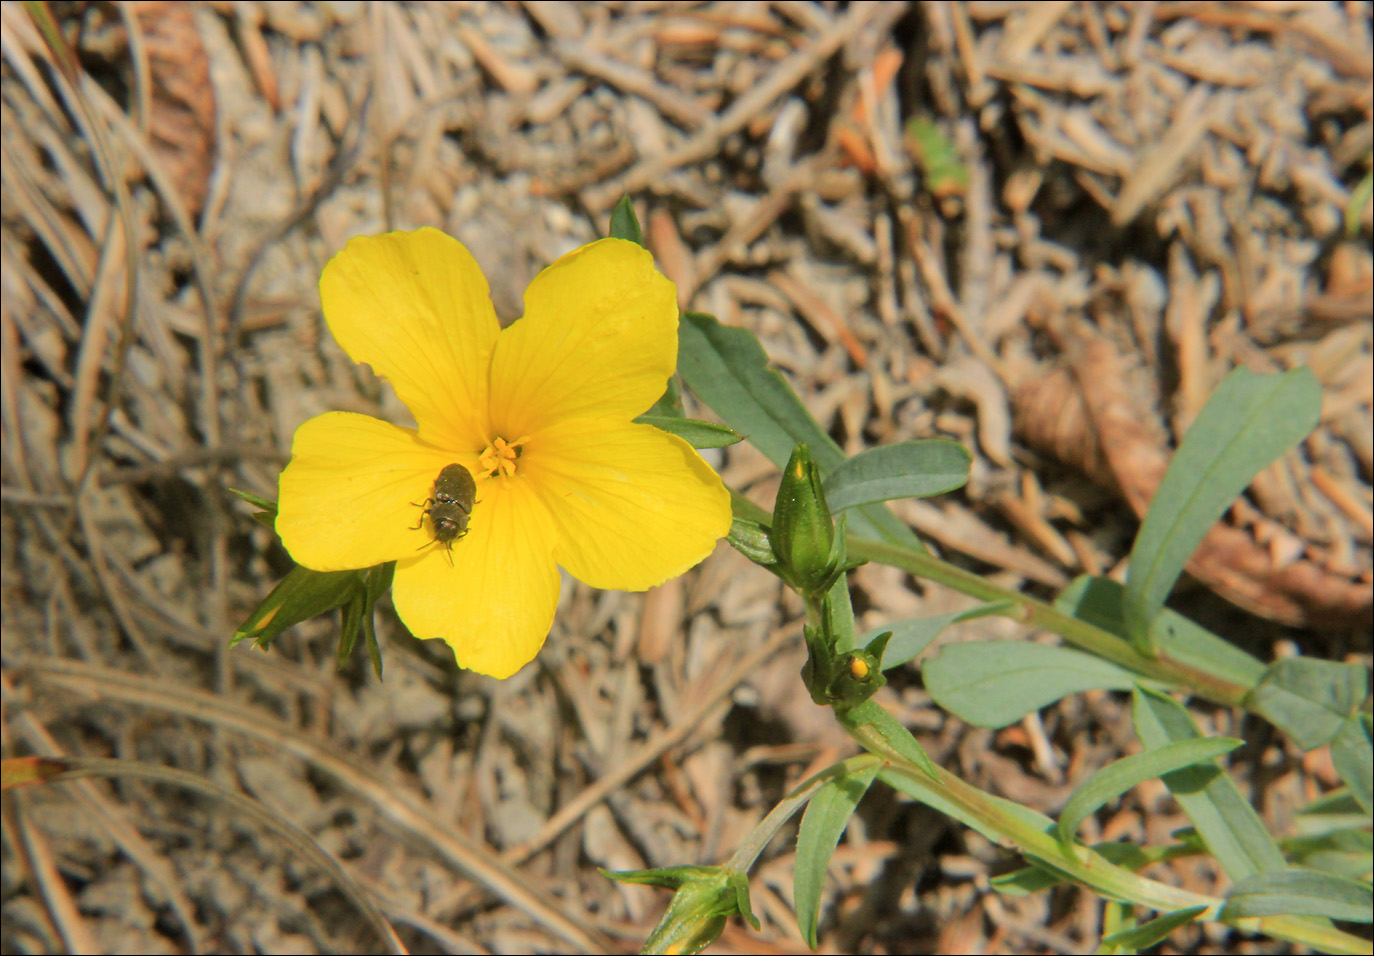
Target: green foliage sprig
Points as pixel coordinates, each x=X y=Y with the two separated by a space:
x=1117 y=637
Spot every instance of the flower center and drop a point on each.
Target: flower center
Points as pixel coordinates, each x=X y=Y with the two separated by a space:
x=499 y=457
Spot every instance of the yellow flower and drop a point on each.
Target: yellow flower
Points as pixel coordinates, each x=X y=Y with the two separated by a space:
x=540 y=413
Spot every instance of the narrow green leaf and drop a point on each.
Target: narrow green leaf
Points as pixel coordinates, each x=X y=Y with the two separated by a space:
x=729 y=371
x=1155 y=931
x=1348 y=852
x=1248 y=423
x=1299 y=893
x=698 y=434
x=350 y=624
x=911 y=636
x=750 y=539
x=1117 y=917
x=1353 y=757
x=1100 y=601
x=1224 y=818
x=1026 y=880
x=996 y=683
x=257 y=501
x=1120 y=776
x=869 y=718
x=378 y=582
x=1308 y=698
x=1330 y=813
x=911 y=469
x=827 y=814
x=624 y=222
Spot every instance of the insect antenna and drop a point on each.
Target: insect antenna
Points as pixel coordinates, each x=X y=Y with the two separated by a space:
x=448 y=546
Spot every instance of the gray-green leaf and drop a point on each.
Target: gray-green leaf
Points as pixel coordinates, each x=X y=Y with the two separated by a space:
x=1156 y=930
x=729 y=371
x=1248 y=423
x=1309 y=698
x=1225 y=820
x=1351 y=754
x=996 y=683
x=1120 y=776
x=1099 y=601
x=911 y=469
x=1299 y=893
x=911 y=636
x=827 y=814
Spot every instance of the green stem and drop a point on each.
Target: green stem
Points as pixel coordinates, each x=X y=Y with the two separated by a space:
x=1010 y=824
x=1038 y=614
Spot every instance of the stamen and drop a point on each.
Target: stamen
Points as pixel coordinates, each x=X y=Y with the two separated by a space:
x=500 y=456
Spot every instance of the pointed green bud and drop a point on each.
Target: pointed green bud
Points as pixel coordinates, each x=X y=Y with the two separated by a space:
x=803 y=534
x=304 y=594
x=706 y=896
x=859 y=674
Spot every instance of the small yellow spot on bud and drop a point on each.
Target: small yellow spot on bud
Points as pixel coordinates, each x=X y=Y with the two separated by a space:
x=858 y=668
x=499 y=457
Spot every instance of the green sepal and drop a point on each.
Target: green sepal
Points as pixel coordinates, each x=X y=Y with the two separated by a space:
x=299 y=596
x=750 y=539
x=624 y=222
x=358 y=613
x=706 y=896
x=696 y=433
x=818 y=671
x=304 y=594
x=266 y=515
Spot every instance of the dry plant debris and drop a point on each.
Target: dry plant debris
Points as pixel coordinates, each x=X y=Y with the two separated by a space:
x=1119 y=203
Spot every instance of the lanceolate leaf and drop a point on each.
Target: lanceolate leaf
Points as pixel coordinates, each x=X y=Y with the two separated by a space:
x=826 y=817
x=1351 y=755
x=1116 y=778
x=1249 y=422
x=297 y=597
x=729 y=371
x=1309 y=698
x=912 y=469
x=1300 y=893
x=1155 y=931
x=1226 y=821
x=996 y=683
x=914 y=635
x=1099 y=601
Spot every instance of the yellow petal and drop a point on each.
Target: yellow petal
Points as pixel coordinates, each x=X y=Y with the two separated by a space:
x=414 y=306
x=634 y=506
x=599 y=339
x=494 y=603
x=346 y=496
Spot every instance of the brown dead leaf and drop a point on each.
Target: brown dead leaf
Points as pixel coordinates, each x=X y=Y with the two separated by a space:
x=181 y=120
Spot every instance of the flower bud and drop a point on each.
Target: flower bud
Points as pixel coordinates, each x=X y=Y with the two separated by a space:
x=803 y=534
x=706 y=896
